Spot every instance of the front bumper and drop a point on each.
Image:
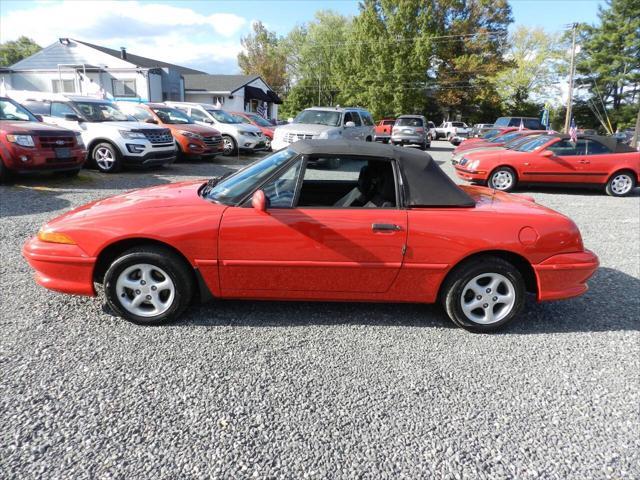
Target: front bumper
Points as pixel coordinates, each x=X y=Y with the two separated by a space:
x=246 y=142
x=162 y=157
x=35 y=159
x=565 y=275
x=60 y=267
x=470 y=176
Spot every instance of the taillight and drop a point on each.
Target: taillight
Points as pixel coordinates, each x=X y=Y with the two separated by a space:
x=419 y=130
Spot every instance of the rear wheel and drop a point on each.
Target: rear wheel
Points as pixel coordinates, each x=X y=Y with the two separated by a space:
x=148 y=285
x=230 y=147
x=106 y=158
x=484 y=294
x=503 y=179
x=620 y=184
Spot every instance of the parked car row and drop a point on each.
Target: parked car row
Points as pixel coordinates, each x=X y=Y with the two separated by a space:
x=512 y=157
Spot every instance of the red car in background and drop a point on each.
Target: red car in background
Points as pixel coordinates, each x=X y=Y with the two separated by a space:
x=493 y=143
x=484 y=140
x=192 y=140
x=28 y=145
x=555 y=159
x=383 y=129
x=394 y=228
x=256 y=120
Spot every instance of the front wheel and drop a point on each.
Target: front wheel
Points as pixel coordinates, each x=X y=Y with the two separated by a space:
x=503 y=179
x=620 y=184
x=148 y=285
x=230 y=147
x=106 y=158
x=484 y=294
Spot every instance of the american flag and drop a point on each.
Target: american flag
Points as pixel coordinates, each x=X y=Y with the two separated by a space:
x=573 y=131
x=521 y=127
x=262 y=110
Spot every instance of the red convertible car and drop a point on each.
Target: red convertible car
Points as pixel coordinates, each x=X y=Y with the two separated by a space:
x=555 y=159
x=387 y=226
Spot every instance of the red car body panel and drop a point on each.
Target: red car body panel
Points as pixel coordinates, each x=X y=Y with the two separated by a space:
x=42 y=156
x=315 y=253
x=480 y=142
x=383 y=128
x=536 y=168
x=267 y=131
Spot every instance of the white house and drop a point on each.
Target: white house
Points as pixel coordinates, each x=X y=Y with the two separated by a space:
x=81 y=68
x=239 y=93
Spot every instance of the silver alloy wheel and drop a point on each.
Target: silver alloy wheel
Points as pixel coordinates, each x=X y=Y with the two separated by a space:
x=228 y=145
x=502 y=180
x=488 y=298
x=621 y=184
x=267 y=143
x=145 y=290
x=104 y=158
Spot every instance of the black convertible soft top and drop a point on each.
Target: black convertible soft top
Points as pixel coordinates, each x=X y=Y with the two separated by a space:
x=425 y=184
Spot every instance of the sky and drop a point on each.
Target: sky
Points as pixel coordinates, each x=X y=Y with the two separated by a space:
x=206 y=34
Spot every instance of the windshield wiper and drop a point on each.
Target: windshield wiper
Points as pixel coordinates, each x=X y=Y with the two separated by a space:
x=212 y=182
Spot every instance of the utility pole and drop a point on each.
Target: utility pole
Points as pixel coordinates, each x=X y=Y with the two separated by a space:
x=567 y=120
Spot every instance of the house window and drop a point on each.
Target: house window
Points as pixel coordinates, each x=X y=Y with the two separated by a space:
x=217 y=100
x=124 y=88
x=63 y=86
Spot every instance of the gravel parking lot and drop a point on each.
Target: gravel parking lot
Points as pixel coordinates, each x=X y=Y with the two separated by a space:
x=314 y=390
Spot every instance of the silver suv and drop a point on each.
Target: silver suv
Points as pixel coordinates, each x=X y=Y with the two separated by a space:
x=326 y=123
x=411 y=130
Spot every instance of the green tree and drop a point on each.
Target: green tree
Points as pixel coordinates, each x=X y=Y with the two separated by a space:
x=608 y=64
x=264 y=56
x=536 y=59
x=15 y=50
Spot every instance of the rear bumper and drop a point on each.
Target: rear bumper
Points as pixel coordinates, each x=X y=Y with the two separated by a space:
x=59 y=267
x=565 y=275
x=381 y=138
x=409 y=139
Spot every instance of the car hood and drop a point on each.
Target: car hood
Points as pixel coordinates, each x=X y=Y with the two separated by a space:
x=193 y=128
x=467 y=153
x=125 y=125
x=131 y=203
x=307 y=128
x=35 y=128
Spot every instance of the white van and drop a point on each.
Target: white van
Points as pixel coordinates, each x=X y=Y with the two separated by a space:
x=236 y=135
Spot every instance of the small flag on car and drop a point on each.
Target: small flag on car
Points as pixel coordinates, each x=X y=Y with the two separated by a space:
x=521 y=127
x=573 y=130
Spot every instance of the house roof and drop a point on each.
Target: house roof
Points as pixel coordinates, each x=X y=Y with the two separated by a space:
x=140 y=61
x=77 y=52
x=216 y=83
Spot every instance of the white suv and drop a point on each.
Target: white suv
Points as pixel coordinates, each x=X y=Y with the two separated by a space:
x=325 y=123
x=113 y=139
x=236 y=135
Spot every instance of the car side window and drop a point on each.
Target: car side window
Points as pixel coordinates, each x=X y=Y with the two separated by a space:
x=141 y=114
x=356 y=119
x=281 y=191
x=347 y=118
x=596 y=148
x=39 y=108
x=59 y=110
x=563 y=148
x=366 y=119
x=198 y=116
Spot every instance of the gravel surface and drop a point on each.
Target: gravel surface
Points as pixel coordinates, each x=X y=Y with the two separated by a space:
x=314 y=390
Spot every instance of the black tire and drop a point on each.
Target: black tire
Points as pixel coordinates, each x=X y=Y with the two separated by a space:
x=368 y=139
x=230 y=146
x=4 y=172
x=620 y=184
x=173 y=265
x=456 y=286
x=180 y=155
x=98 y=155
x=425 y=145
x=498 y=179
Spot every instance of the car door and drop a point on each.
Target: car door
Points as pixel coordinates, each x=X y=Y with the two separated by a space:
x=59 y=111
x=350 y=133
x=596 y=162
x=299 y=250
x=359 y=128
x=561 y=166
x=200 y=117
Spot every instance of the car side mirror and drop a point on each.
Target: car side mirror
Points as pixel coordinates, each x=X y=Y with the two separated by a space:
x=39 y=118
x=349 y=124
x=209 y=121
x=70 y=117
x=547 y=154
x=151 y=120
x=259 y=201
x=290 y=120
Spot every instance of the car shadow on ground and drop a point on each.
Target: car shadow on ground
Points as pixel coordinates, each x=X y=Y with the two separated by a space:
x=612 y=304
x=594 y=191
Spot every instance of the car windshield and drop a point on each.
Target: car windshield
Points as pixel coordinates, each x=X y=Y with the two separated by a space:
x=491 y=133
x=409 y=122
x=260 y=121
x=519 y=141
x=237 y=186
x=533 y=144
x=172 y=116
x=502 y=122
x=101 y=112
x=14 y=112
x=458 y=124
x=318 y=117
x=222 y=116
x=241 y=119
x=505 y=138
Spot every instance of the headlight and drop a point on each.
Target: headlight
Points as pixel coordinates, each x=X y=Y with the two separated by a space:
x=473 y=165
x=131 y=135
x=22 y=140
x=79 y=140
x=54 y=237
x=245 y=132
x=190 y=134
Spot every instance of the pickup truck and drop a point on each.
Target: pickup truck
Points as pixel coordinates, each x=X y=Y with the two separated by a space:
x=452 y=129
x=383 y=130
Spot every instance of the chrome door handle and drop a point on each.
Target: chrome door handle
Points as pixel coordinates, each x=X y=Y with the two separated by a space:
x=385 y=227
